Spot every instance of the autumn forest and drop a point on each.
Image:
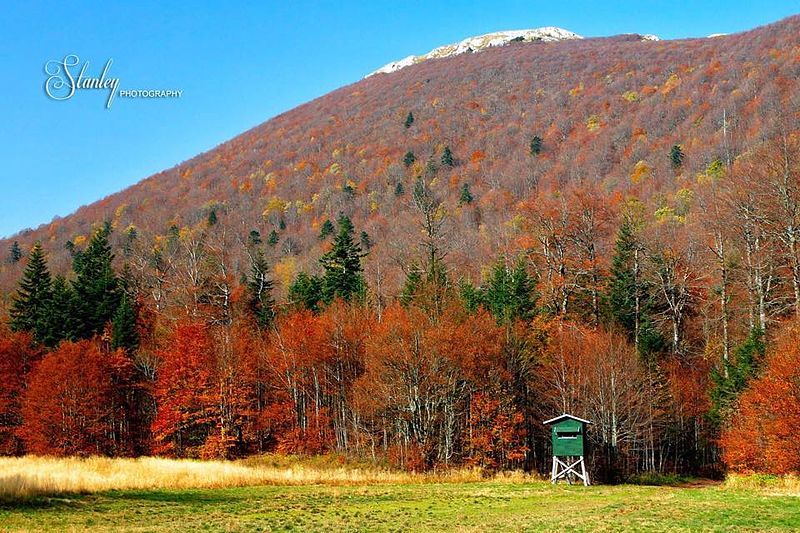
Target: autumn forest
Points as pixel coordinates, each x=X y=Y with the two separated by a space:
x=419 y=268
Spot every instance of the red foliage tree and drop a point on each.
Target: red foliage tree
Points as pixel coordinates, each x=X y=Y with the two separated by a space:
x=71 y=405
x=16 y=358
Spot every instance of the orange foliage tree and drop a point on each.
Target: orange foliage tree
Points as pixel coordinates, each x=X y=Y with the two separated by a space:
x=183 y=392
x=763 y=435
x=298 y=349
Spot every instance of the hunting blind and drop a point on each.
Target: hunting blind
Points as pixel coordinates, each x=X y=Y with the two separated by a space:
x=568 y=436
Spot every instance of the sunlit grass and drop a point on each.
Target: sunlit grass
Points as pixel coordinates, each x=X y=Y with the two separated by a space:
x=789 y=485
x=25 y=477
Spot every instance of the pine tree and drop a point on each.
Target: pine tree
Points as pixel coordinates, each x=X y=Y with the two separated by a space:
x=343 y=276
x=61 y=323
x=409 y=159
x=366 y=242
x=259 y=287
x=15 y=254
x=510 y=294
x=447 y=157
x=327 y=229
x=430 y=169
x=123 y=327
x=624 y=282
x=629 y=295
x=536 y=145
x=733 y=378
x=212 y=218
x=306 y=291
x=31 y=302
x=409 y=120
x=472 y=296
x=273 y=238
x=282 y=224
x=130 y=238
x=254 y=238
x=676 y=156
x=412 y=284
x=399 y=190
x=96 y=286
x=466 y=196
x=523 y=294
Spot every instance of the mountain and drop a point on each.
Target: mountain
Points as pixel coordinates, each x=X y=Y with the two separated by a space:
x=607 y=111
x=476 y=44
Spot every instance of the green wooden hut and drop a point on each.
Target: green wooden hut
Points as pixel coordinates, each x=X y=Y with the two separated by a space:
x=568 y=434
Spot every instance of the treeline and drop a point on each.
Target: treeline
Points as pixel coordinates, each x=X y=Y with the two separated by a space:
x=651 y=320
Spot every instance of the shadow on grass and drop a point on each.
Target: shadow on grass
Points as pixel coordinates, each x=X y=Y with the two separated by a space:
x=35 y=503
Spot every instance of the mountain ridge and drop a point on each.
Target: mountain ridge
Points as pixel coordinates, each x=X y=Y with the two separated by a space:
x=601 y=107
x=546 y=34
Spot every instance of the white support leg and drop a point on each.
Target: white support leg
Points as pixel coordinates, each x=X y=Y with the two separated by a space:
x=567 y=470
x=585 y=476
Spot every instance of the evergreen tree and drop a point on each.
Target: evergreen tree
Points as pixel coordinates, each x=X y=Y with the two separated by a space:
x=624 y=283
x=282 y=224
x=343 y=276
x=447 y=157
x=273 y=238
x=430 y=169
x=123 y=327
x=409 y=159
x=412 y=284
x=212 y=218
x=327 y=229
x=61 y=322
x=630 y=297
x=399 y=190
x=30 y=304
x=732 y=379
x=676 y=156
x=466 y=196
x=366 y=242
x=96 y=286
x=259 y=287
x=409 y=120
x=173 y=237
x=472 y=296
x=536 y=145
x=306 y=291
x=510 y=294
x=130 y=237
x=15 y=254
x=254 y=238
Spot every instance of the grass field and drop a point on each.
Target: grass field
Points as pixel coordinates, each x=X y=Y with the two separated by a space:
x=478 y=506
x=274 y=494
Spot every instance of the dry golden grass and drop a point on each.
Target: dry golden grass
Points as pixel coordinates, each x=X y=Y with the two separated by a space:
x=788 y=485
x=25 y=477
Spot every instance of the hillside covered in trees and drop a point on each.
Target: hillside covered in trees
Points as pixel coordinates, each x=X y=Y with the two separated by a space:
x=422 y=266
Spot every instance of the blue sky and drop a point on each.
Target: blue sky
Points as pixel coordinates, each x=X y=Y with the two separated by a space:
x=239 y=64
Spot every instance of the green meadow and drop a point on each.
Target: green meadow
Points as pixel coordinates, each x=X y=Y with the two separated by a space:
x=473 y=506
